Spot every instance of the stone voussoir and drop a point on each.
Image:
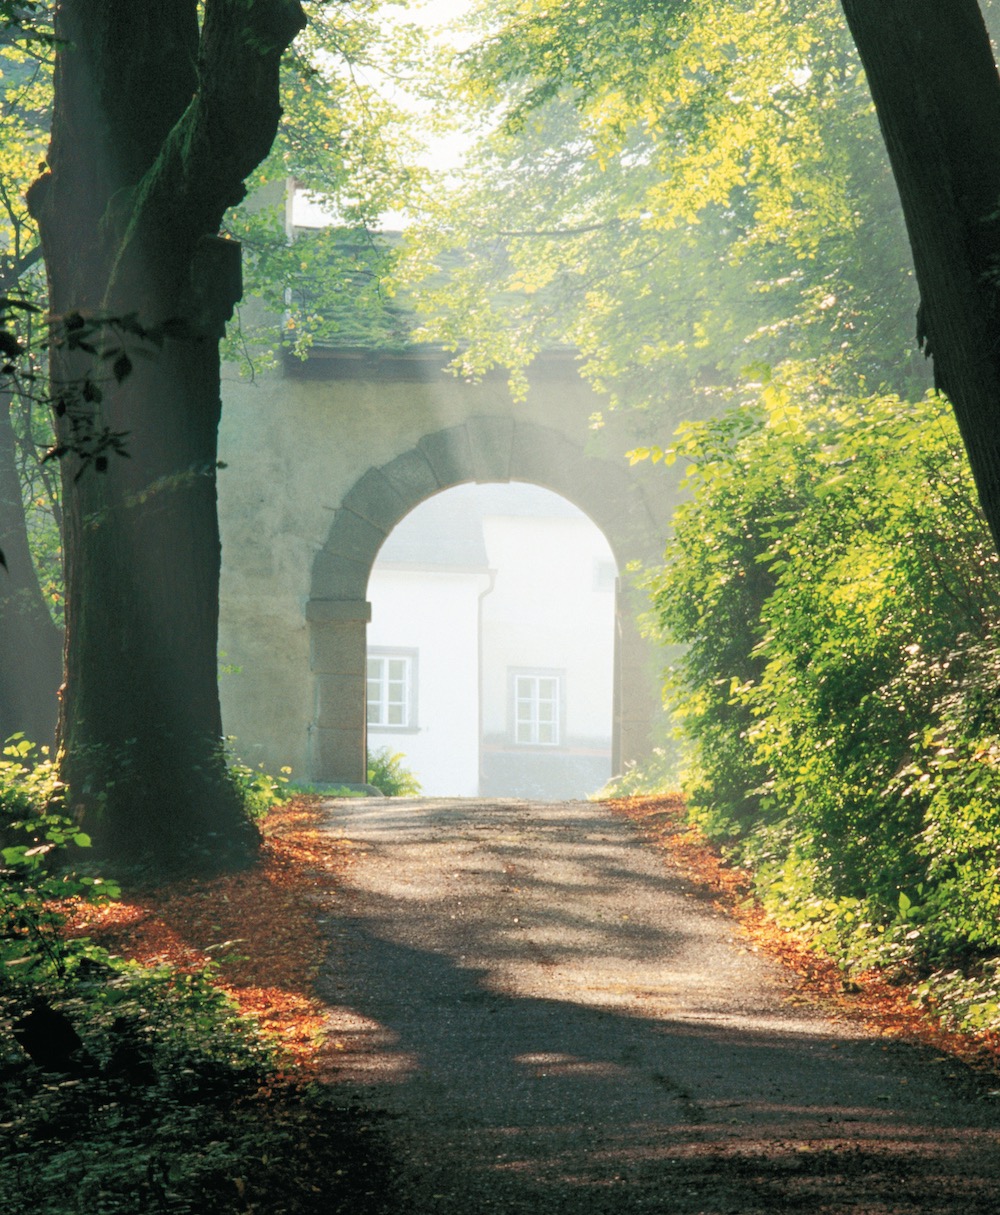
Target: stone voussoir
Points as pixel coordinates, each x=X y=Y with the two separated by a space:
x=375 y=498
x=411 y=477
x=449 y=454
x=491 y=443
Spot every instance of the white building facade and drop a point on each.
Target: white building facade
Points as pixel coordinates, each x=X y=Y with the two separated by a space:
x=491 y=645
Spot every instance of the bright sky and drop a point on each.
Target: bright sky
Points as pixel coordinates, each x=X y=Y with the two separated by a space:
x=443 y=152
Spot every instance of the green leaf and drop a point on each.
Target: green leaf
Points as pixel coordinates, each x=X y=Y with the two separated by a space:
x=122 y=367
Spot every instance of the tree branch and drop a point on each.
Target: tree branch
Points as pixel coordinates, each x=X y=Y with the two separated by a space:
x=225 y=131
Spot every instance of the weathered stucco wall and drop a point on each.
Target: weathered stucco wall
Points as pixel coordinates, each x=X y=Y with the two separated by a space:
x=296 y=555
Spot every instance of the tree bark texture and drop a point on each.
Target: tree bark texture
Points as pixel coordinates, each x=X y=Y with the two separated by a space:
x=934 y=81
x=30 y=642
x=156 y=124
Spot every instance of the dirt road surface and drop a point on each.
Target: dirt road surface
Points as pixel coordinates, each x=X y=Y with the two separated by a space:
x=557 y=1024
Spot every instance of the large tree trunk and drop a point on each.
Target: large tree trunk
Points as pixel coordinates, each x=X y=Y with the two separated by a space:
x=936 y=90
x=156 y=124
x=30 y=642
x=140 y=724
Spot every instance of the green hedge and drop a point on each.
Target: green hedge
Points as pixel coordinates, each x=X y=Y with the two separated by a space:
x=837 y=595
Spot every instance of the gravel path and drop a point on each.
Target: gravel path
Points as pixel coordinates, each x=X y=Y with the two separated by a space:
x=554 y=1022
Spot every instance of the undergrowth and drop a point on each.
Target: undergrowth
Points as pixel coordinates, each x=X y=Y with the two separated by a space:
x=658 y=774
x=388 y=773
x=127 y=1088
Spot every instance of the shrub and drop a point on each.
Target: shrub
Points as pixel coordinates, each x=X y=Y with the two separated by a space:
x=836 y=589
x=657 y=775
x=128 y=1088
x=27 y=784
x=256 y=790
x=36 y=877
x=388 y=773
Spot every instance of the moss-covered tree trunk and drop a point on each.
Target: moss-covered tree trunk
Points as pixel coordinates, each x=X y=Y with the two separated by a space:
x=936 y=90
x=157 y=122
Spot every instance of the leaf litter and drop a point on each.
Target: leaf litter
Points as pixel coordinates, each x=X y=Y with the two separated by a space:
x=887 y=1009
x=258 y=931
x=262 y=934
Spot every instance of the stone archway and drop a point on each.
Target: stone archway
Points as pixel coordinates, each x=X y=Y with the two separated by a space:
x=484 y=448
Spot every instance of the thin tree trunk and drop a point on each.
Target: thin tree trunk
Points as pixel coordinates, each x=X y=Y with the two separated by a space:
x=30 y=642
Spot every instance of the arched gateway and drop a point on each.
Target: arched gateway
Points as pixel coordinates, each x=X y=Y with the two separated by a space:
x=324 y=459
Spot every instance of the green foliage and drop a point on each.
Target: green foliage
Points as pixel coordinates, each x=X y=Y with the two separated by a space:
x=964 y=1001
x=657 y=775
x=342 y=142
x=146 y=1115
x=955 y=773
x=388 y=773
x=838 y=597
x=308 y=789
x=257 y=790
x=26 y=21
x=675 y=190
x=172 y=1116
x=162 y=1098
x=26 y=786
x=35 y=836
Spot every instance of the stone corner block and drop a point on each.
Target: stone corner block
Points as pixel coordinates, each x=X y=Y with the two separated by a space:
x=337 y=757
x=336 y=611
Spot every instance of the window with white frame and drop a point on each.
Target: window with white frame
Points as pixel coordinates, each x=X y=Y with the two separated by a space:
x=392 y=689
x=537 y=708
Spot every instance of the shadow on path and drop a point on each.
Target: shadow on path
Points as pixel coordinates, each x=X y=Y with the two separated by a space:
x=505 y=1100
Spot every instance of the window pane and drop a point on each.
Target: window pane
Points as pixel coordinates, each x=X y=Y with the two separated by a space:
x=374 y=691
x=536 y=709
x=390 y=690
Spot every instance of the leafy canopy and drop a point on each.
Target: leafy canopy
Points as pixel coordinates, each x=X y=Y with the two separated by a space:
x=678 y=190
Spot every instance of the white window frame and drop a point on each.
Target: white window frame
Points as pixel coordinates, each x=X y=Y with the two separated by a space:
x=537 y=707
x=395 y=689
